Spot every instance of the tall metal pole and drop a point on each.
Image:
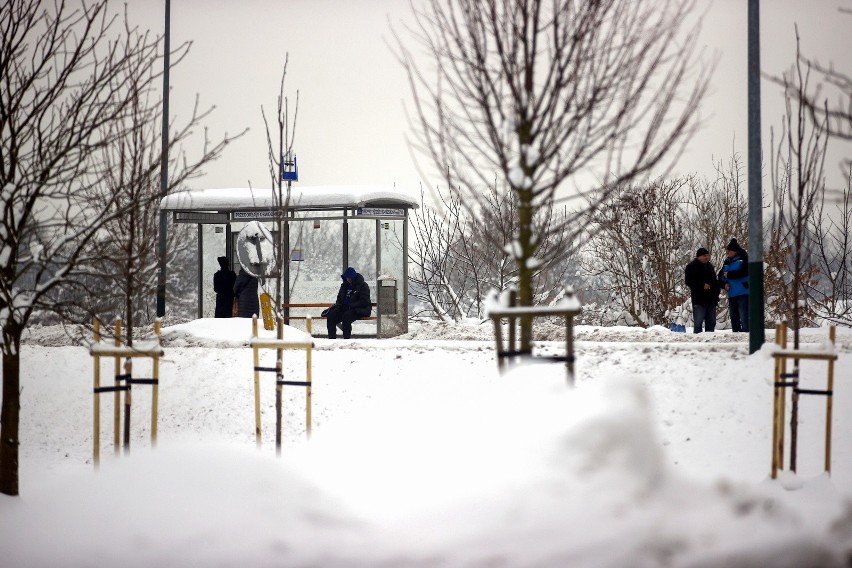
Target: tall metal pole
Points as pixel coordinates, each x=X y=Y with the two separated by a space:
x=755 y=189
x=164 y=174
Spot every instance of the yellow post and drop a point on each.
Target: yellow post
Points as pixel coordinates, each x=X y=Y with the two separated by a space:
x=828 y=403
x=96 y=435
x=308 y=357
x=116 y=426
x=155 y=388
x=279 y=388
x=777 y=393
x=256 y=383
x=782 y=402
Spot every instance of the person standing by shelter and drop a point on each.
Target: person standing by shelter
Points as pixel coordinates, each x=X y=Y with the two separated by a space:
x=734 y=278
x=353 y=302
x=700 y=276
x=245 y=290
x=223 y=286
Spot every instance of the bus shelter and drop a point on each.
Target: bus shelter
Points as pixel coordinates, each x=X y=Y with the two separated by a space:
x=326 y=229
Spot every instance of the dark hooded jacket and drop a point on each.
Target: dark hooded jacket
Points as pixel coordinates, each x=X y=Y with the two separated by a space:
x=355 y=296
x=223 y=286
x=245 y=289
x=696 y=275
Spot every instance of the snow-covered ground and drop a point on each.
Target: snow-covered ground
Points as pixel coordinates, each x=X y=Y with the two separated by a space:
x=423 y=455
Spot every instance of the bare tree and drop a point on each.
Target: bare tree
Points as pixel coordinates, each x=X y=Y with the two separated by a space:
x=798 y=181
x=460 y=253
x=832 y=234
x=123 y=255
x=440 y=277
x=827 y=106
x=837 y=117
x=281 y=158
x=640 y=243
x=67 y=94
x=718 y=210
x=547 y=94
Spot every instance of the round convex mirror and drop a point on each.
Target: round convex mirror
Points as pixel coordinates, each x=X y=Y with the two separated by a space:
x=255 y=250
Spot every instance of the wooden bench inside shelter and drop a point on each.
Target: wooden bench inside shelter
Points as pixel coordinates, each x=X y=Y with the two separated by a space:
x=319 y=307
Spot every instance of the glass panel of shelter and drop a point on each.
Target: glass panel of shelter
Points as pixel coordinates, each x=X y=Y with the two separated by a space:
x=390 y=286
x=315 y=258
x=361 y=252
x=320 y=250
x=211 y=245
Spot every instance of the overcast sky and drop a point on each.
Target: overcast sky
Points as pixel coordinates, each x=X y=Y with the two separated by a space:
x=352 y=125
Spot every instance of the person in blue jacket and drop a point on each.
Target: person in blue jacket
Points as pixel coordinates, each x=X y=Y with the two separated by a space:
x=734 y=279
x=353 y=302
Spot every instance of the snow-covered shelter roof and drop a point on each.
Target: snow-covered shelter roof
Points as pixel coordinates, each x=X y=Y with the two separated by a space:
x=301 y=197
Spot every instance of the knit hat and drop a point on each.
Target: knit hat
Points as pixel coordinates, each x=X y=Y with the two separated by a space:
x=349 y=273
x=734 y=246
x=702 y=251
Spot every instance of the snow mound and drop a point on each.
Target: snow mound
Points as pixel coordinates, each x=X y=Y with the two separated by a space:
x=511 y=470
x=222 y=332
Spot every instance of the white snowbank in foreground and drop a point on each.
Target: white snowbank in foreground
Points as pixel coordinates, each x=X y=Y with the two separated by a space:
x=422 y=455
x=525 y=472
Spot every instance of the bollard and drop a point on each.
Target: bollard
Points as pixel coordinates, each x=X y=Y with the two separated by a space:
x=256 y=383
x=116 y=427
x=117 y=350
x=784 y=380
x=280 y=344
x=96 y=427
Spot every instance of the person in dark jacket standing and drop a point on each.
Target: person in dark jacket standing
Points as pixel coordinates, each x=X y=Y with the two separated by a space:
x=353 y=302
x=734 y=278
x=245 y=289
x=223 y=286
x=700 y=276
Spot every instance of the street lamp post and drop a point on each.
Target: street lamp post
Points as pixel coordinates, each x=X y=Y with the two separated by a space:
x=164 y=174
x=755 y=190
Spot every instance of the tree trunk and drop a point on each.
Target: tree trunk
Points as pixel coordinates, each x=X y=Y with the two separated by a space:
x=131 y=275
x=10 y=415
x=525 y=287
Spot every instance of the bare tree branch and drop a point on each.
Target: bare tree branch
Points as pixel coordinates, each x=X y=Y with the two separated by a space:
x=548 y=95
x=71 y=81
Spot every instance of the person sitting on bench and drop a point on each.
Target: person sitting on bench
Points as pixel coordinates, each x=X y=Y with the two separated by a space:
x=353 y=302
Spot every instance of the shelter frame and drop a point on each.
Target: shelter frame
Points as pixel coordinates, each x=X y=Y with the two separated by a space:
x=386 y=209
